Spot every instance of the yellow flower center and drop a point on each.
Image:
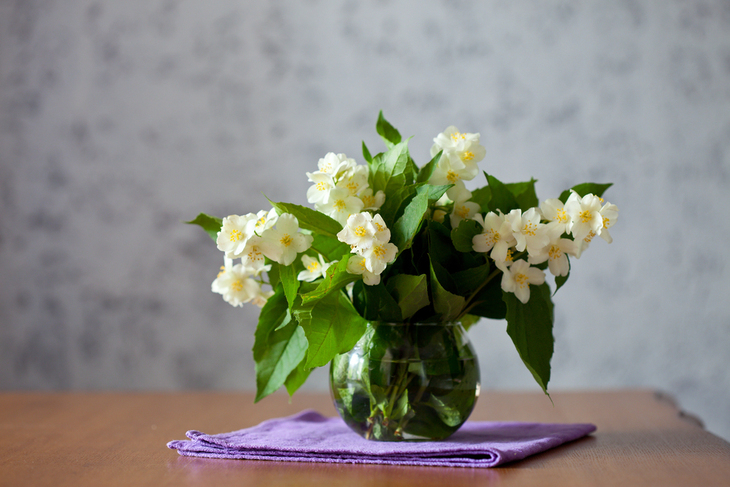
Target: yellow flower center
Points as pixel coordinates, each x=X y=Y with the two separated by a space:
x=562 y=215
x=286 y=240
x=462 y=211
x=521 y=280
x=261 y=222
x=380 y=227
x=606 y=222
x=360 y=231
x=339 y=205
x=452 y=177
x=223 y=269
x=491 y=237
x=530 y=229
x=237 y=285
x=352 y=187
x=467 y=156
x=368 y=201
x=236 y=236
x=457 y=135
x=554 y=252
x=589 y=237
x=509 y=257
x=321 y=186
x=254 y=254
x=585 y=216
x=313 y=266
x=379 y=252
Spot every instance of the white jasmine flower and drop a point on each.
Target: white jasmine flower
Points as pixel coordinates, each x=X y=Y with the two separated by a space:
x=609 y=214
x=497 y=236
x=335 y=164
x=446 y=172
x=507 y=262
x=356 y=265
x=354 y=180
x=341 y=205
x=529 y=233
x=378 y=256
x=553 y=210
x=463 y=210
x=282 y=243
x=315 y=268
x=235 y=284
x=518 y=277
x=362 y=229
x=261 y=298
x=461 y=149
x=555 y=252
x=370 y=201
x=319 y=192
x=585 y=215
x=252 y=255
x=263 y=221
x=233 y=235
x=581 y=245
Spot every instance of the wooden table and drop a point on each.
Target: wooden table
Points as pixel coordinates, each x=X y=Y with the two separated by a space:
x=106 y=439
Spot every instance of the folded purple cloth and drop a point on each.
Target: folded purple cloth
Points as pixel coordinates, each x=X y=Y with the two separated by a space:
x=310 y=437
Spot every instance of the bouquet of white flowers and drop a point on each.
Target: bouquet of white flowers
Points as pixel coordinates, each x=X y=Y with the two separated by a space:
x=388 y=241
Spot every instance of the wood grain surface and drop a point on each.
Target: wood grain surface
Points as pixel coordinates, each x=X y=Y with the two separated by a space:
x=108 y=439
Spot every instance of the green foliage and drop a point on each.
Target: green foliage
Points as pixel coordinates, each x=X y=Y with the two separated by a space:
x=530 y=326
x=435 y=277
x=310 y=219
x=410 y=292
x=389 y=134
x=210 y=224
x=331 y=325
x=279 y=345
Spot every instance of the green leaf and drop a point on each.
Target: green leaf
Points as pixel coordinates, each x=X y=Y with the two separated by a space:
x=296 y=378
x=330 y=248
x=524 y=194
x=212 y=225
x=425 y=173
x=584 y=189
x=468 y=320
x=310 y=219
x=279 y=345
x=488 y=302
x=376 y=303
x=411 y=293
x=366 y=153
x=288 y=279
x=482 y=197
x=463 y=235
x=337 y=278
x=502 y=198
x=531 y=328
x=446 y=304
x=332 y=326
x=406 y=227
x=469 y=280
x=387 y=171
x=389 y=134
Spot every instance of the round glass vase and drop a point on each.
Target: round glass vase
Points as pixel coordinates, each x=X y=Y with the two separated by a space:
x=406 y=381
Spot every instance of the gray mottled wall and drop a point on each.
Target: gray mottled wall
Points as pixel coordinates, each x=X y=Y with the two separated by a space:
x=119 y=120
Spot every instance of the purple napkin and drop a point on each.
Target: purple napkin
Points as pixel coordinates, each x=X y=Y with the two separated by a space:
x=310 y=437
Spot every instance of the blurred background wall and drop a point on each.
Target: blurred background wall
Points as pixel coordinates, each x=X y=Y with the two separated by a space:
x=120 y=120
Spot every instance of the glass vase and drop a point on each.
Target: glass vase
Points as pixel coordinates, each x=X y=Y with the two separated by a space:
x=407 y=381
